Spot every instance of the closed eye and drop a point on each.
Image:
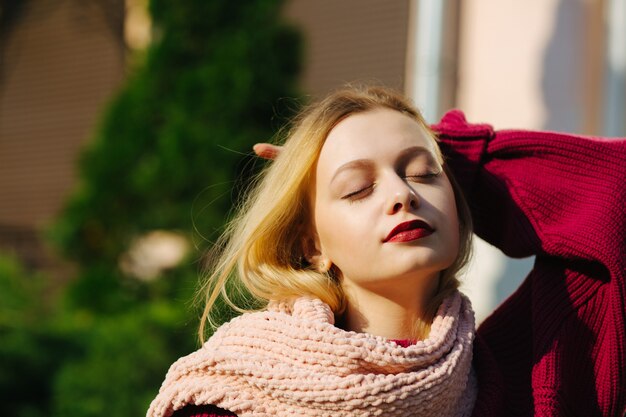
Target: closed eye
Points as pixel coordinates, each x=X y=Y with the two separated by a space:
x=422 y=177
x=355 y=195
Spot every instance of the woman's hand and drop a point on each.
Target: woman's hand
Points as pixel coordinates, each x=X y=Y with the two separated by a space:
x=266 y=150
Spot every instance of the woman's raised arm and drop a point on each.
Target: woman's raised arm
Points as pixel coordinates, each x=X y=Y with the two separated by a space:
x=540 y=192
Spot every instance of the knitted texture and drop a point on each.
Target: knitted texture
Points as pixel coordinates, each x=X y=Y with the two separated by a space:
x=292 y=360
x=557 y=345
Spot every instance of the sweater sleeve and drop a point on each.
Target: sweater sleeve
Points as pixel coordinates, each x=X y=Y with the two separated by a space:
x=540 y=192
x=203 y=411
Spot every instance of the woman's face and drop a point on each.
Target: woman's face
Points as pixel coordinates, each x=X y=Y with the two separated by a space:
x=383 y=207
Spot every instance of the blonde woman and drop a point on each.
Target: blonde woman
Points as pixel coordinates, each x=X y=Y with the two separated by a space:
x=351 y=244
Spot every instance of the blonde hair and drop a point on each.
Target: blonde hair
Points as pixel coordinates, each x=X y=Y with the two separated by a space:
x=261 y=252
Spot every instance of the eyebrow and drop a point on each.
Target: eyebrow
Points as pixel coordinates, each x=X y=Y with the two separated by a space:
x=403 y=157
x=412 y=152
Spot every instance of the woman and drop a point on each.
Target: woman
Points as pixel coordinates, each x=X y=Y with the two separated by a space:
x=354 y=238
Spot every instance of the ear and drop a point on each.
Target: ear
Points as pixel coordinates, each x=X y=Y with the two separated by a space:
x=314 y=254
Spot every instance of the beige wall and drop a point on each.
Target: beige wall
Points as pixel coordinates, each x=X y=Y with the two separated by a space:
x=348 y=40
x=61 y=62
x=522 y=63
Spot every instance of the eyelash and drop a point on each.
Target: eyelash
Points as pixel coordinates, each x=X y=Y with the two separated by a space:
x=355 y=196
x=426 y=176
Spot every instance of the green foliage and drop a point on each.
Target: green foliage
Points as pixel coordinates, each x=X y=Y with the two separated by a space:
x=75 y=359
x=164 y=157
x=124 y=358
x=31 y=348
x=210 y=87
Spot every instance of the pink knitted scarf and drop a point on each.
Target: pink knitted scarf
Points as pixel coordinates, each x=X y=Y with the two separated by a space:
x=292 y=360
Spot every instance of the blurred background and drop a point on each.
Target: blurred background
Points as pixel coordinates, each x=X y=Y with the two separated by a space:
x=125 y=136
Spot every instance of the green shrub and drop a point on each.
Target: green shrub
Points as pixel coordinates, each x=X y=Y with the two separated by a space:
x=32 y=349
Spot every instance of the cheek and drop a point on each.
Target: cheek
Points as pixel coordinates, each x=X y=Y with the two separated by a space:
x=340 y=229
x=325 y=224
x=450 y=213
x=334 y=227
x=455 y=238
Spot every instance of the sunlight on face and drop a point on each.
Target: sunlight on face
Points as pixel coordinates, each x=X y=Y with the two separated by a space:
x=384 y=209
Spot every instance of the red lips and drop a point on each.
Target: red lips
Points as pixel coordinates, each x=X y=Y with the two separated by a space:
x=408 y=231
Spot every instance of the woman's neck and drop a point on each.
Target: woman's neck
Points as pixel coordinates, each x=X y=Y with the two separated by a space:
x=393 y=313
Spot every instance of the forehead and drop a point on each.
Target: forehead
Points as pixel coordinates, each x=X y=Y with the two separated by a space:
x=377 y=135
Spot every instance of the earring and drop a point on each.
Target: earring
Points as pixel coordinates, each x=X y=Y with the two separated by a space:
x=324 y=266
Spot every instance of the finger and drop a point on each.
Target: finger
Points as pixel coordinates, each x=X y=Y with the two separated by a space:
x=266 y=150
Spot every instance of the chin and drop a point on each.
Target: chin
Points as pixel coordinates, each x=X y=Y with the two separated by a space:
x=426 y=261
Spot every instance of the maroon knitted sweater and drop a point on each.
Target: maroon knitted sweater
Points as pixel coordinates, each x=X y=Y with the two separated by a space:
x=557 y=345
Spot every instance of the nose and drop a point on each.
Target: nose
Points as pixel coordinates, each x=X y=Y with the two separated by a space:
x=402 y=197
